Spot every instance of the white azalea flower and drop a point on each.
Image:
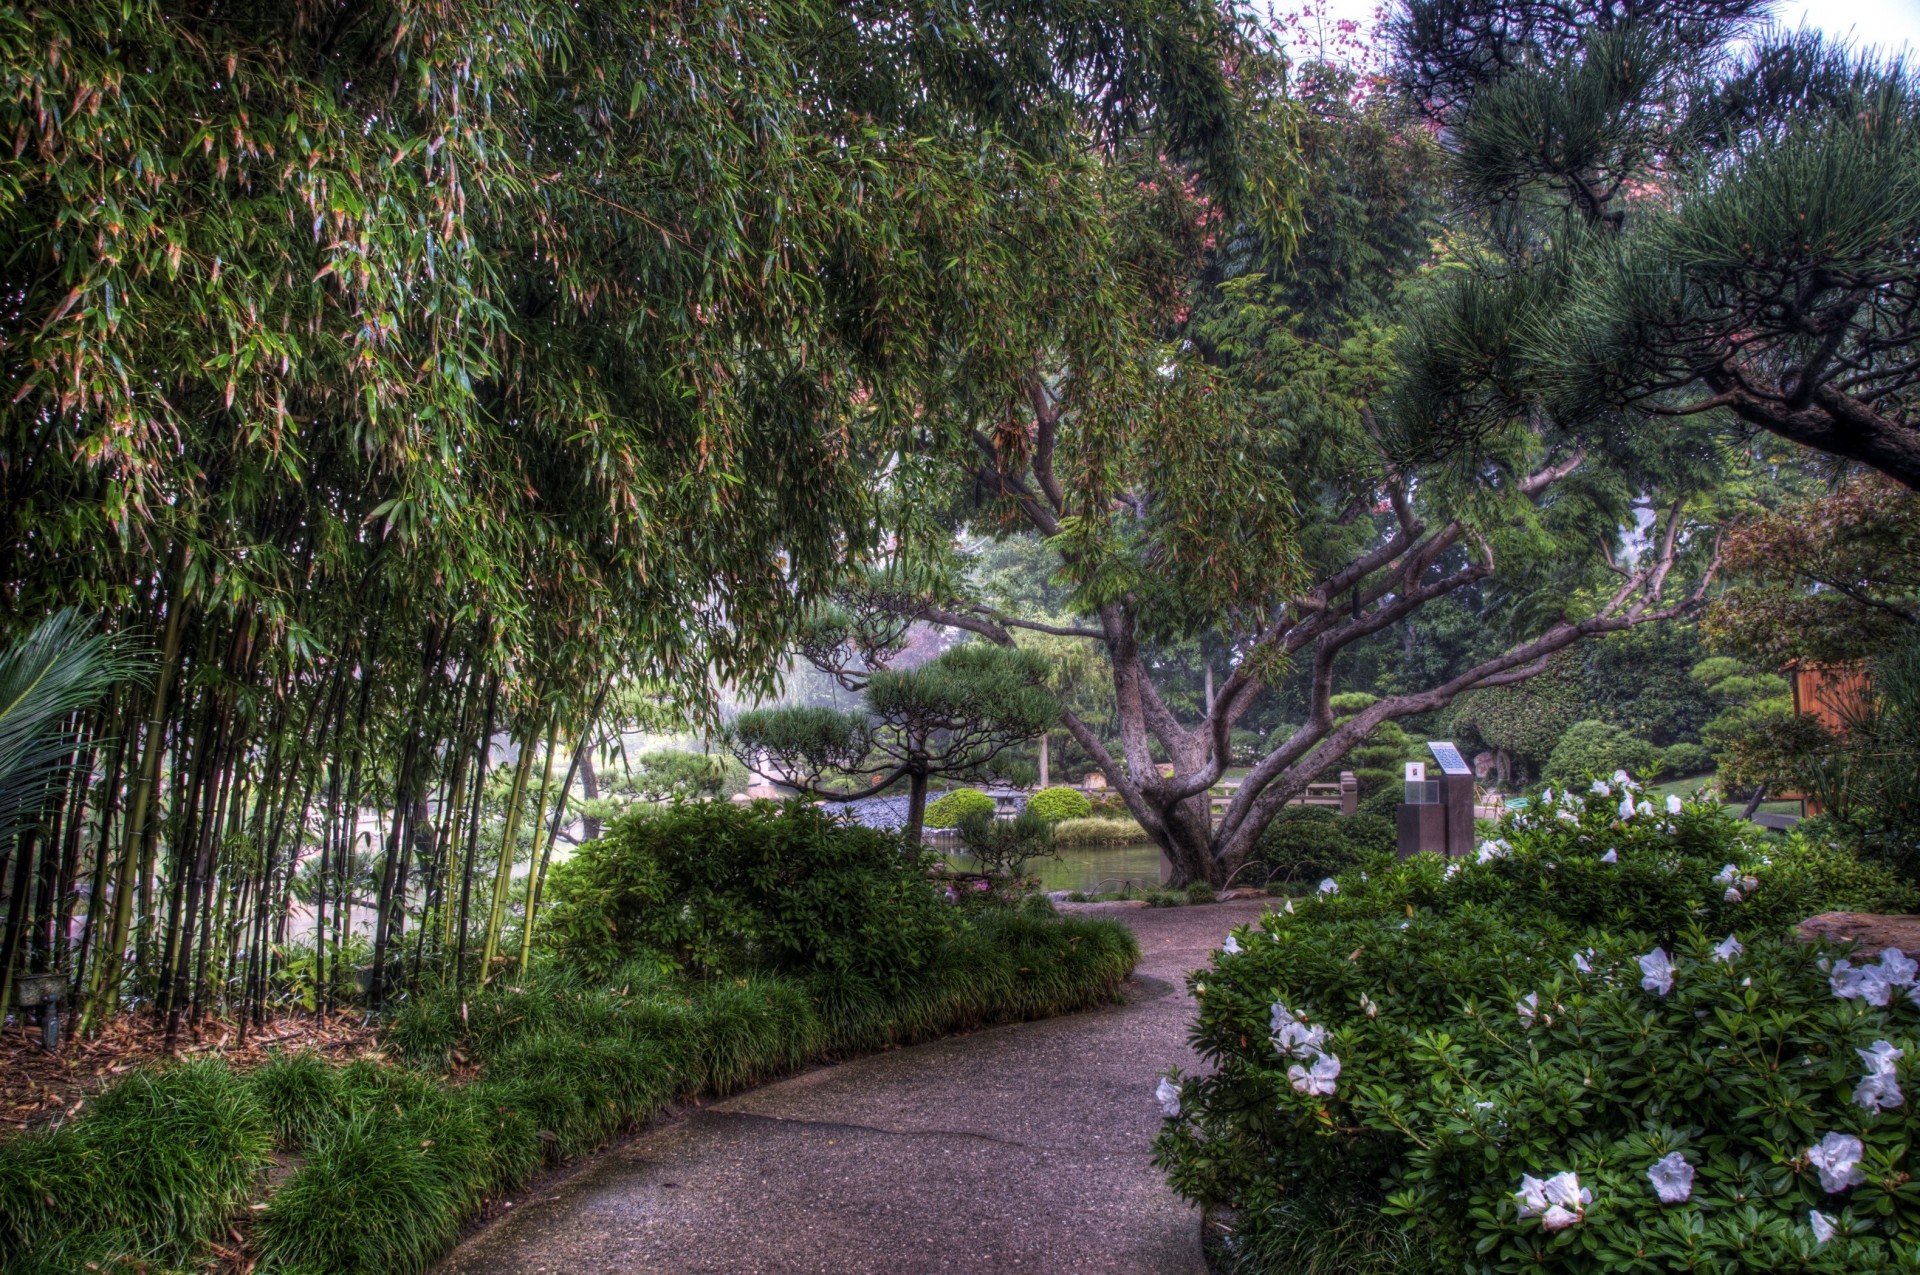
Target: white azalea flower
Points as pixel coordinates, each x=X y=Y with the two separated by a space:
x=1329 y=886
x=1621 y=777
x=1169 y=1095
x=1317 y=1080
x=1731 y=896
x=1837 y=1156
x=1300 y=1040
x=1581 y=963
x=1558 y=1201
x=1611 y=856
x=1727 y=875
x=1879 y=1089
x=1626 y=806
x=1289 y=907
x=1645 y=807
x=1366 y=1003
x=1491 y=850
x=1278 y=1016
x=1899 y=968
x=1727 y=948
x=1529 y=1008
x=1672 y=1178
x=1451 y=869
x=1865 y=982
x=1600 y=788
x=1673 y=803
x=1822 y=1226
x=1231 y=947
x=1656 y=971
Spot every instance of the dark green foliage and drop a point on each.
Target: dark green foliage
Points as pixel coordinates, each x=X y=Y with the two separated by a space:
x=1306 y=843
x=1003 y=847
x=1055 y=804
x=300 y=1095
x=154 y=1168
x=1525 y=721
x=1592 y=748
x=1447 y=1094
x=725 y=889
x=1683 y=760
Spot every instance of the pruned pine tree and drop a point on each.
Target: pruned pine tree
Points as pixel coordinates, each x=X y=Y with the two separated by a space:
x=951 y=717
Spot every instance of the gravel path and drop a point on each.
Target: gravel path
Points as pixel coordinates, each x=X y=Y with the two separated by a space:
x=1021 y=1148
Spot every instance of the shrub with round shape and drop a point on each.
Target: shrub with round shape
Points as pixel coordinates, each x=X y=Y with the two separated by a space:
x=1055 y=804
x=948 y=811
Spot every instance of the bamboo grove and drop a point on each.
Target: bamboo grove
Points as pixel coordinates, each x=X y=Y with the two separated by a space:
x=391 y=383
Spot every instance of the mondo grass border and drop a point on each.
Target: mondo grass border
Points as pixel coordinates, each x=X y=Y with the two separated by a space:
x=395 y=1159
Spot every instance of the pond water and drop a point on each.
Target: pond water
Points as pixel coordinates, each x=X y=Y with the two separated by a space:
x=1090 y=868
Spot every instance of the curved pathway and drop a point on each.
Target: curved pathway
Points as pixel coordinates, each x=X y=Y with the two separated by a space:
x=1019 y=1148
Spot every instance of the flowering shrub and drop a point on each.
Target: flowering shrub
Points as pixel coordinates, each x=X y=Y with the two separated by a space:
x=1555 y=1059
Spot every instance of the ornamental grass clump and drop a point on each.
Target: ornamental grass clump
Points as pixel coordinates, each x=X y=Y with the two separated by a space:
x=150 y=1172
x=1518 y=1063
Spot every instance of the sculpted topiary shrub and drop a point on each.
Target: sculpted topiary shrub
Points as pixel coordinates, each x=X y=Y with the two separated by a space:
x=949 y=810
x=1055 y=804
x=1522 y=1064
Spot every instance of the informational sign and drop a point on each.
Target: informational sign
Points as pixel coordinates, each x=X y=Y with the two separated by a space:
x=1416 y=772
x=1448 y=758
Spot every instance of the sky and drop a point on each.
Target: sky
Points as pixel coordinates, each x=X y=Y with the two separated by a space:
x=1889 y=24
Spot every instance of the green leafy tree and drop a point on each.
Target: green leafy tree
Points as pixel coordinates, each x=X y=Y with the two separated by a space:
x=1055 y=804
x=1254 y=496
x=1831 y=577
x=1521 y=724
x=951 y=717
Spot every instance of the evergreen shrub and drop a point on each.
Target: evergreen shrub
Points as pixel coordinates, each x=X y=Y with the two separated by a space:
x=1055 y=804
x=720 y=889
x=1307 y=843
x=1684 y=760
x=1495 y=1024
x=948 y=811
x=1592 y=748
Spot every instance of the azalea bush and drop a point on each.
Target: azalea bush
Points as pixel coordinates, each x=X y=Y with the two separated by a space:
x=1593 y=1047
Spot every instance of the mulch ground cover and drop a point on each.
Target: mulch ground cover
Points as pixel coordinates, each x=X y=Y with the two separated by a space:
x=39 y=1089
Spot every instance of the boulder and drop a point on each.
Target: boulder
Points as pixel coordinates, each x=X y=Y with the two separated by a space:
x=1872 y=932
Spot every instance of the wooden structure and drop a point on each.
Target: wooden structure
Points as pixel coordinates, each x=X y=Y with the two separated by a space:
x=1833 y=695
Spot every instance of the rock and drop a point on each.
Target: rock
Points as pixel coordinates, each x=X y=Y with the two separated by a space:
x=1872 y=932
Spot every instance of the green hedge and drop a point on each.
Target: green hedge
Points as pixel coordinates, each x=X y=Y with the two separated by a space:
x=1490 y=1021
x=723 y=890
x=1307 y=843
x=394 y=1159
x=1099 y=830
